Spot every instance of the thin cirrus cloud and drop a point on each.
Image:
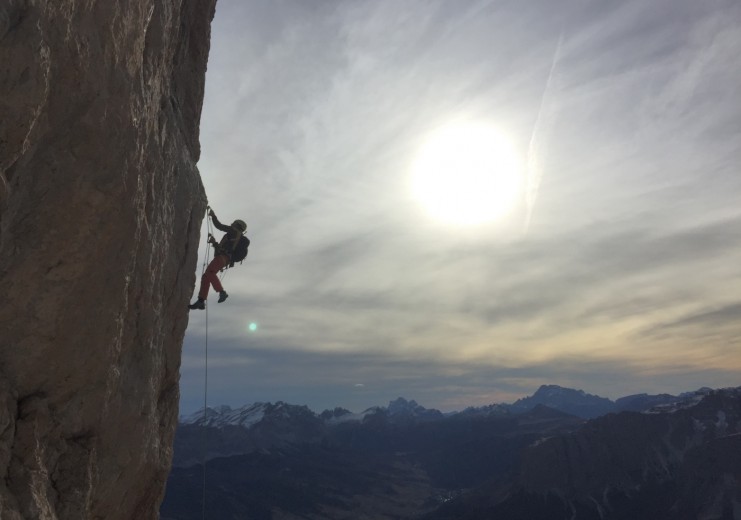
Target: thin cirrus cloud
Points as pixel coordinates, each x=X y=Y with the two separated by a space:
x=617 y=273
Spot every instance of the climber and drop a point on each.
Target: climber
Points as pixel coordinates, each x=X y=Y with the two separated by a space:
x=232 y=248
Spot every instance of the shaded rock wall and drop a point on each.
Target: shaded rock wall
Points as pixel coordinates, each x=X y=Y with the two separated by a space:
x=100 y=209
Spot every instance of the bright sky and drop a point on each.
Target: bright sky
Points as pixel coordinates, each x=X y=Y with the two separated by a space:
x=613 y=266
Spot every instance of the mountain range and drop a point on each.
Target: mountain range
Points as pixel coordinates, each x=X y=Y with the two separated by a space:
x=549 y=455
x=574 y=402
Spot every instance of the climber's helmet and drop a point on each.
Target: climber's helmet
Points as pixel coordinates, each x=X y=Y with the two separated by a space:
x=239 y=225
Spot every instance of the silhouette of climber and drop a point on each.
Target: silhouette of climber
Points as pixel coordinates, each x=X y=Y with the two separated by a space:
x=222 y=257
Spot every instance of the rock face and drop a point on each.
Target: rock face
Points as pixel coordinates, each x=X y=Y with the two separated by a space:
x=100 y=209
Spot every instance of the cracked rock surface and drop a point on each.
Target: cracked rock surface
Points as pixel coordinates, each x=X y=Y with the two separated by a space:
x=100 y=210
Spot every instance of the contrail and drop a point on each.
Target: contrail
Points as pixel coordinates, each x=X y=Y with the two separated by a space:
x=543 y=124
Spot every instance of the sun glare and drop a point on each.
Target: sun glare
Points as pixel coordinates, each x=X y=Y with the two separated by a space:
x=467 y=174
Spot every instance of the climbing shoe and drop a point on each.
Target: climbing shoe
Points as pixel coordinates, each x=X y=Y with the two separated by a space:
x=198 y=304
x=223 y=296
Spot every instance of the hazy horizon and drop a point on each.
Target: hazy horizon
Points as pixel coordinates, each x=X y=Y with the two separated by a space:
x=410 y=399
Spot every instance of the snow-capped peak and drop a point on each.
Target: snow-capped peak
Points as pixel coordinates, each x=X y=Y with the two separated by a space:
x=223 y=415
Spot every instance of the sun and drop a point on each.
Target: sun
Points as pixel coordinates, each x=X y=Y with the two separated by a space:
x=467 y=173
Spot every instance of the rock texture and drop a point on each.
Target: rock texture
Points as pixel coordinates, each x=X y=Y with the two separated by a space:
x=100 y=210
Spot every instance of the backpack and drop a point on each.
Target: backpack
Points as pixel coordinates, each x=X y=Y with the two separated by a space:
x=239 y=252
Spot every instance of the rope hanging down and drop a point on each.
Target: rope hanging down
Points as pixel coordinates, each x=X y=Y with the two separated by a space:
x=205 y=376
x=221 y=276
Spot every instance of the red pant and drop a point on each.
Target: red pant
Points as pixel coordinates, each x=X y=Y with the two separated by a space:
x=211 y=276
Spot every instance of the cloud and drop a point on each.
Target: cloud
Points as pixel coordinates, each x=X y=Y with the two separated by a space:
x=709 y=326
x=313 y=116
x=320 y=380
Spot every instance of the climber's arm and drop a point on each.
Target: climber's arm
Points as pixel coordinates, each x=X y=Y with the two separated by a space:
x=218 y=225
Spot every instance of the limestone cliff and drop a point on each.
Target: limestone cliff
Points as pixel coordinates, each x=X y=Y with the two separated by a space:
x=100 y=209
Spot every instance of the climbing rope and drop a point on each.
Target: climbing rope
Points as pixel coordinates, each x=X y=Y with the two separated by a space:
x=209 y=228
x=205 y=374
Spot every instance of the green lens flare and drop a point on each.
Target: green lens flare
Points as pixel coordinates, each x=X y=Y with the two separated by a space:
x=253 y=327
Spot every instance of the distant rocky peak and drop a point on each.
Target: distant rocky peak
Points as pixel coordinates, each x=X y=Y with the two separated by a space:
x=224 y=415
x=484 y=411
x=374 y=410
x=279 y=407
x=699 y=392
x=401 y=405
x=569 y=400
x=289 y=411
x=558 y=391
x=401 y=408
x=335 y=414
x=200 y=416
